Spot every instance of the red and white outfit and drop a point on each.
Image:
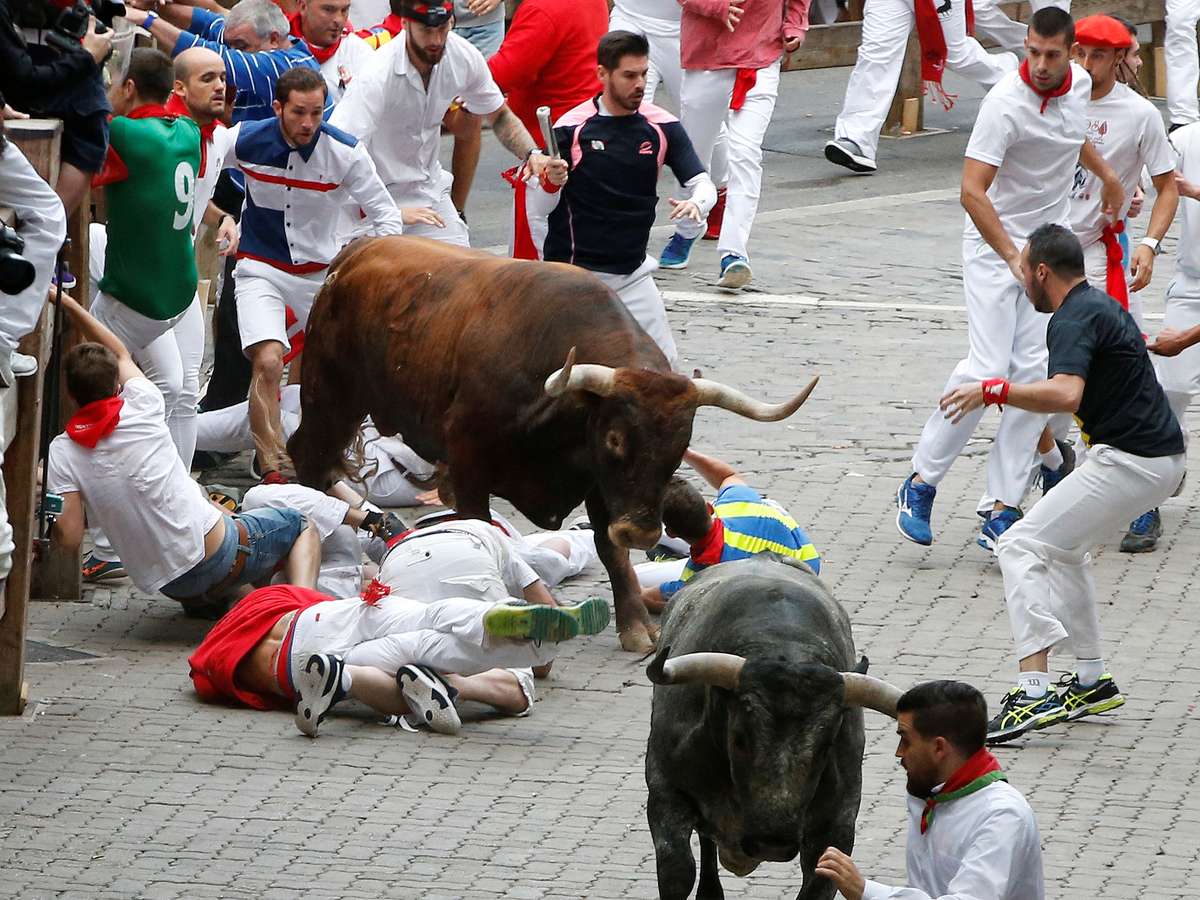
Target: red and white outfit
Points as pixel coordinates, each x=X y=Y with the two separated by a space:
x=1183 y=65
x=339 y=62
x=732 y=80
x=943 y=28
x=1127 y=131
x=390 y=109
x=1034 y=141
x=1180 y=375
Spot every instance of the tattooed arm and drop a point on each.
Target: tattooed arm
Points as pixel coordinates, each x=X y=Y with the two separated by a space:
x=513 y=135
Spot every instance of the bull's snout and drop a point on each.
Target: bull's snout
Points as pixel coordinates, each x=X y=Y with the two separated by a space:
x=770 y=847
x=624 y=533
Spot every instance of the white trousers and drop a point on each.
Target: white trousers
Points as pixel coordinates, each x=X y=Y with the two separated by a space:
x=264 y=294
x=663 y=36
x=704 y=109
x=446 y=635
x=991 y=21
x=1183 y=65
x=1180 y=375
x=227 y=430
x=652 y=574
x=1045 y=557
x=885 y=30
x=550 y=565
x=1007 y=339
x=443 y=564
x=641 y=297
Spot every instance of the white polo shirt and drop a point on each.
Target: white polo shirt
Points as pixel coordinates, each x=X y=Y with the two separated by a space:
x=984 y=845
x=1035 y=152
x=136 y=490
x=1187 y=144
x=1128 y=132
x=389 y=108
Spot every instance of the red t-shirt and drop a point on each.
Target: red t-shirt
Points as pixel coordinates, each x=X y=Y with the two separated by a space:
x=548 y=57
x=236 y=634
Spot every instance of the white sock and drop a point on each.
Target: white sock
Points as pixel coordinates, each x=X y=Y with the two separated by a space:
x=1089 y=671
x=1034 y=684
x=1052 y=458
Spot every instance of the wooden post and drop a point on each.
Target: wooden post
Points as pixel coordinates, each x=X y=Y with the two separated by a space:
x=907 y=115
x=20 y=480
x=1154 y=67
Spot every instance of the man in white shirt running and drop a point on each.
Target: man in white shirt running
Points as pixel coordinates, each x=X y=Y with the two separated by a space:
x=116 y=466
x=970 y=833
x=1018 y=173
x=397 y=103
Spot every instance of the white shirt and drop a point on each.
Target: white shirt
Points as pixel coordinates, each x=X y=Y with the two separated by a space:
x=389 y=108
x=1127 y=130
x=1187 y=144
x=352 y=56
x=1034 y=151
x=984 y=846
x=216 y=152
x=135 y=489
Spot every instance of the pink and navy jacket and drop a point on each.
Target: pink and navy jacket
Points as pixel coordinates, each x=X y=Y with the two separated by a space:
x=603 y=218
x=293 y=194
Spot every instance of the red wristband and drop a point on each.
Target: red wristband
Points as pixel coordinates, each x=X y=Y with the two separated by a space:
x=995 y=392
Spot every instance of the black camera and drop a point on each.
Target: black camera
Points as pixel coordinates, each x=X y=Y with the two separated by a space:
x=72 y=23
x=16 y=272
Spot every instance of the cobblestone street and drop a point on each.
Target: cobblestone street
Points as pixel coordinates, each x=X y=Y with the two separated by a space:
x=118 y=782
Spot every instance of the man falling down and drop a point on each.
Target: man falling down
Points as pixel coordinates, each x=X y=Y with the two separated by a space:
x=288 y=647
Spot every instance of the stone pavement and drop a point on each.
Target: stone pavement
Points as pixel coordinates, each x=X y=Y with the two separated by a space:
x=119 y=783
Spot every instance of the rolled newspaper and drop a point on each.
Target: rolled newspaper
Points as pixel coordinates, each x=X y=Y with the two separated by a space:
x=543 y=115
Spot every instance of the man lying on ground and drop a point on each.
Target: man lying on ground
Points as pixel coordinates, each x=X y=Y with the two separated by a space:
x=288 y=647
x=738 y=524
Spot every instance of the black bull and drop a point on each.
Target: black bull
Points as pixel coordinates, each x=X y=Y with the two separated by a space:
x=454 y=349
x=756 y=731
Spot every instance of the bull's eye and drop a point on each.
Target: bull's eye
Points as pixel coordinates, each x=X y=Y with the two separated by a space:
x=615 y=442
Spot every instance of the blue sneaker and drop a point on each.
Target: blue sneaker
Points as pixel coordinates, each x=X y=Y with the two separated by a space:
x=675 y=255
x=1143 y=533
x=735 y=272
x=915 y=502
x=1051 y=477
x=997 y=523
x=68 y=280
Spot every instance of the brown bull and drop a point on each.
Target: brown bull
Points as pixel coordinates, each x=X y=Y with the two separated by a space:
x=457 y=350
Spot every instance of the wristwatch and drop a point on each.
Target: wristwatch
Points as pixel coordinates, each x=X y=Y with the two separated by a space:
x=150 y=17
x=1153 y=243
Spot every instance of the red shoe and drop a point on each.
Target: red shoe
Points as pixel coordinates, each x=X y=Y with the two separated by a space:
x=716 y=217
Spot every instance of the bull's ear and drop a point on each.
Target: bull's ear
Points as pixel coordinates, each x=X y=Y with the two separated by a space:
x=863 y=665
x=654 y=671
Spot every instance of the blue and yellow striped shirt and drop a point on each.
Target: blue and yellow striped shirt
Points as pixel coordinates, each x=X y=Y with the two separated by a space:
x=751 y=525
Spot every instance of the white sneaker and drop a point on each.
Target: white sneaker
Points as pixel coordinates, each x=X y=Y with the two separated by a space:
x=429 y=699
x=318 y=687
x=24 y=365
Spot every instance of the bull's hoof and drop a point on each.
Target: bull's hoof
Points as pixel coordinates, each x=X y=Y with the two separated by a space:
x=637 y=638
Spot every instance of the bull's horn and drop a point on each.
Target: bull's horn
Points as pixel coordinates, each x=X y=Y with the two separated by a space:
x=718 y=669
x=870 y=692
x=714 y=393
x=583 y=377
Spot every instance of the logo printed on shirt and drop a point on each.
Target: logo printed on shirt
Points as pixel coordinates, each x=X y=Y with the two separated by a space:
x=597 y=145
x=646 y=149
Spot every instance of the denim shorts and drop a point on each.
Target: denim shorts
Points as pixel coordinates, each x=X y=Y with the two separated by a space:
x=486 y=38
x=271 y=533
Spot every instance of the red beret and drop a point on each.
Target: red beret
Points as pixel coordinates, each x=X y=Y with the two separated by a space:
x=1102 y=31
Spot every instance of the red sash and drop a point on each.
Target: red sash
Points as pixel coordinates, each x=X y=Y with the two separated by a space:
x=1114 y=262
x=743 y=83
x=934 y=52
x=95 y=421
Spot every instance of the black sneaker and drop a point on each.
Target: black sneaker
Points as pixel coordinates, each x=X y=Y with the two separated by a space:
x=1020 y=713
x=1079 y=701
x=663 y=553
x=429 y=699
x=318 y=687
x=383 y=525
x=1143 y=533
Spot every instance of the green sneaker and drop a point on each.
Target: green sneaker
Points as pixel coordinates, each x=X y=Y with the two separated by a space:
x=1080 y=701
x=1020 y=713
x=536 y=622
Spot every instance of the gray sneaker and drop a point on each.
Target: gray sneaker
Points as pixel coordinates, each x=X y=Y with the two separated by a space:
x=845 y=152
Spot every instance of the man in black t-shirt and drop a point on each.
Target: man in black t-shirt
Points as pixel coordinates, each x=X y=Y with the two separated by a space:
x=1099 y=370
x=615 y=146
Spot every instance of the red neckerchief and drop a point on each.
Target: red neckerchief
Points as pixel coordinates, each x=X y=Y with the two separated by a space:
x=374 y=592
x=114 y=168
x=151 y=111
x=176 y=106
x=320 y=54
x=95 y=421
x=707 y=550
x=934 y=53
x=977 y=772
x=1114 y=264
x=1046 y=96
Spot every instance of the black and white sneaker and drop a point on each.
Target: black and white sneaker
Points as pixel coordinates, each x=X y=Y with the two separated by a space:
x=430 y=698
x=1090 y=700
x=845 y=152
x=1020 y=713
x=318 y=687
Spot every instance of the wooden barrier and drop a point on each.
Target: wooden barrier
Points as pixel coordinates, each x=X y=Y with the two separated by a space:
x=39 y=140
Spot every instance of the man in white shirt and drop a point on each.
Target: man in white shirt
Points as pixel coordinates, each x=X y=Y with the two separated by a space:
x=971 y=835
x=323 y=25
x=1019 y=169
x=397 y=103
x=116 y=467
